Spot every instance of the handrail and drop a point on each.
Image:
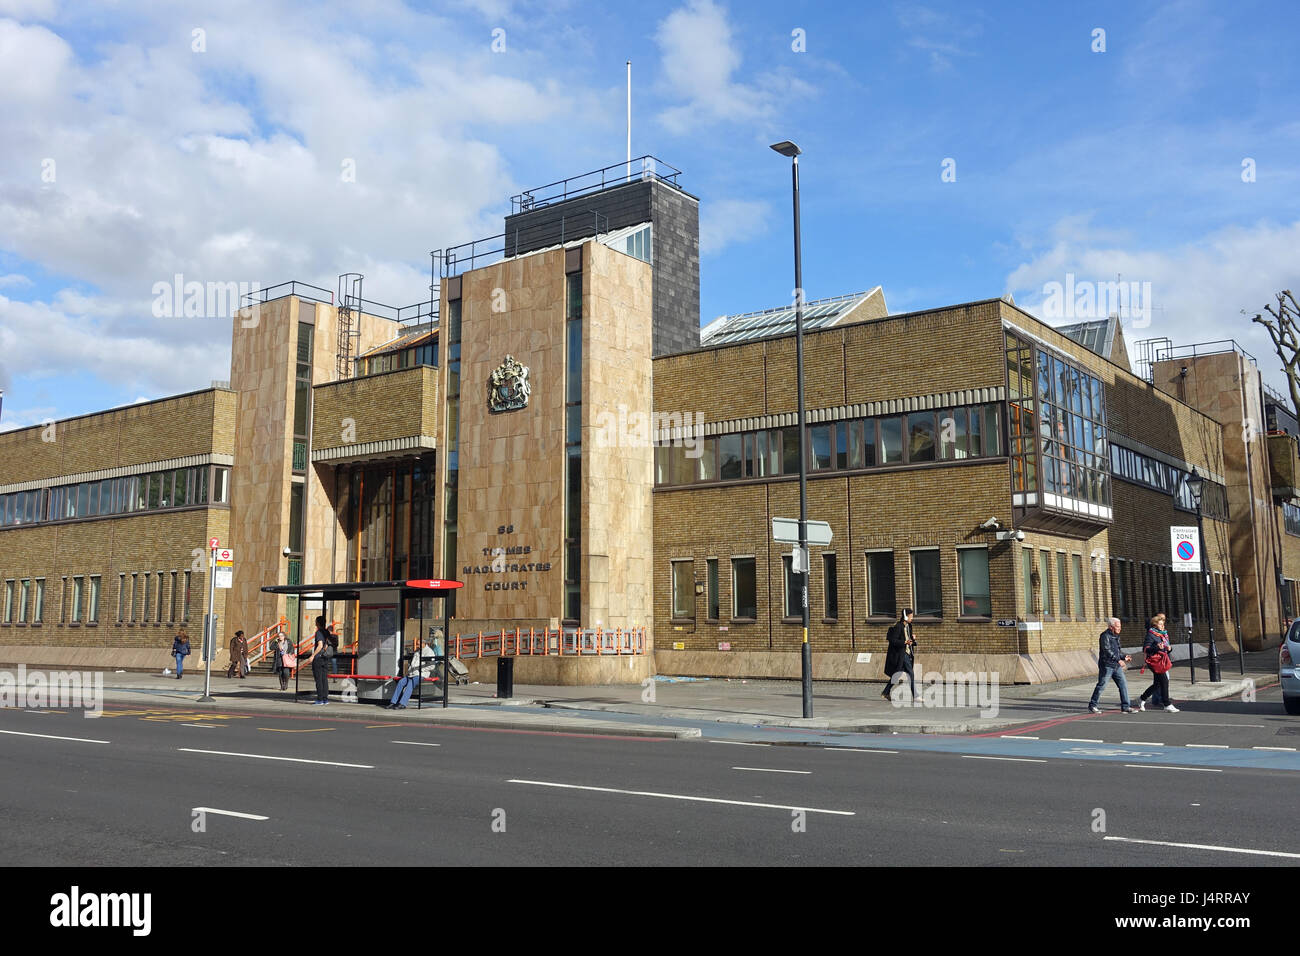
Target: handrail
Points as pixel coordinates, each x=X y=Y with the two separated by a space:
x=618 y=174
x=263 y=295
x=259 y=644
x=545 y=642
x=1217 y=347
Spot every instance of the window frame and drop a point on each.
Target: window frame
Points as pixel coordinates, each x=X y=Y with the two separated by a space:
x=962 y=615
x=868 y=594
x=735 y=591
x=675 y=565
x=916 y=604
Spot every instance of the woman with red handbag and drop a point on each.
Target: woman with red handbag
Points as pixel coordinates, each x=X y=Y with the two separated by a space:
x=1156 y=651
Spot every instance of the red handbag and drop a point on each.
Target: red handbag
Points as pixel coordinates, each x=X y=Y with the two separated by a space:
x=1160 y=663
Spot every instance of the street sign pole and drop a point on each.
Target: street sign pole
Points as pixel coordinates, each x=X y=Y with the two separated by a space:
x=210 y=622
x=1241 y=660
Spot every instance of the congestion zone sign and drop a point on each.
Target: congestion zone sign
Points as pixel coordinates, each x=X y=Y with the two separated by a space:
x=1184 y=548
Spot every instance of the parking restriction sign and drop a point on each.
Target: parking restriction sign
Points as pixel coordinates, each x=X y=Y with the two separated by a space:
x=1185 y=549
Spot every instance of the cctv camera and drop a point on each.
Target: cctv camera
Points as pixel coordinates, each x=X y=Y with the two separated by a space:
x=992 y=524
x=1020 y=536
x=287 y=552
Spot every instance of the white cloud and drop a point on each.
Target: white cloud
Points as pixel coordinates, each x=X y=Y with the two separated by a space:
x=941 y=36
x=699 y=58
x=1198 y=288
x=726 y=221
x=14 y=279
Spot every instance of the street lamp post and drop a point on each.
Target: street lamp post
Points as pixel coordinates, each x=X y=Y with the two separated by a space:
x=787 y=148
x=1196 y=485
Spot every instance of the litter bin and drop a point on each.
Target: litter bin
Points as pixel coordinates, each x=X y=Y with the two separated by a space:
x=505 y=677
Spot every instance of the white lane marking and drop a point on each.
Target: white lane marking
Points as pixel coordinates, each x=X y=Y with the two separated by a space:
x=1080 y=740
x=414 y=743
x=1290 y=749
x=204 y=726
x=1207 y=846
x=770 y=770
x=863 y=750
x=84 y=740
x=738 y=743
x=1016 y=737
x=1181 y=723
x=1160 y=766
x=1209 y=746
x=230 y=813
x=1142 y=743
x=1019 y=759
x=228 y=753
x=682 y=796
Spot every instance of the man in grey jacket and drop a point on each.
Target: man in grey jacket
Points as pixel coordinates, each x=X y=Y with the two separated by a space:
x=1111 y=660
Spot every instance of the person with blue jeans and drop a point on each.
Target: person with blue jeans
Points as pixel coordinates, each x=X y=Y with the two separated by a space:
x=180 y=650
x=1111 y=660
x=419 y=658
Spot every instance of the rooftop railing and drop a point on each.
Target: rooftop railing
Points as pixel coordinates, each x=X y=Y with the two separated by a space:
x=620 y=174
x=1198 y=349
x=455 y=260
x=302 y=290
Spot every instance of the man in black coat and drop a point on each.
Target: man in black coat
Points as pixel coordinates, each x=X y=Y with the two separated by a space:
x=902 y=647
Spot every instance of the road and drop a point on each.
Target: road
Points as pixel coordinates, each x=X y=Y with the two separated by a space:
x=168 y=786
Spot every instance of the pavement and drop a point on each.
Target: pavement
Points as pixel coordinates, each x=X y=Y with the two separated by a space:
x=678 y=707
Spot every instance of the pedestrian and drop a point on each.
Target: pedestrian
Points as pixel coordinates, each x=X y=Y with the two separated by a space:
x=1111 y=661
x=322 y=652
x=238 y=656
x=180 y=650
x=334 y=643
x=283 y=659
x=418 y=659
x=902 y=648
x=1156 y=651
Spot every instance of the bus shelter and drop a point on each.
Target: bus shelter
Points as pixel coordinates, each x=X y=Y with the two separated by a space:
x=381 y=625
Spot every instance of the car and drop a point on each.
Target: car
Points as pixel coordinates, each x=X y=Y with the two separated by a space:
x=1288 y=658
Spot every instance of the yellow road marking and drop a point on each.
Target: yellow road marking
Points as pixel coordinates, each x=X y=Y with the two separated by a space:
x=373 y=726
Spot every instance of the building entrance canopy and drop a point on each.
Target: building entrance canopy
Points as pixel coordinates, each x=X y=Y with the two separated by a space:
x=381 y=631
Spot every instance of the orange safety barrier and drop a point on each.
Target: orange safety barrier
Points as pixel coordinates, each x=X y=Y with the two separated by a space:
x=548 y=642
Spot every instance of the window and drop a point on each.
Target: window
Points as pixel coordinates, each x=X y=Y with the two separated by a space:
x=1045 y=580
x=684 y=589
x=24 y=594
x=821 y=447
x=891 y=441
x=63 y=601
x=92 y=616
x=573 y=372
x=881 y=599
x=172 y=618
x=712 y=571
x=185 y=610
x=78 y=594
x=38 y=613
x=793 y=590
x=9 y=602
x=147 y=611
x=927 y=591
x=744 y=588
x=121 y=598
x=730 y=457
x=1063 y=584
x=1027 y=560
x=162 y=594
x=973 y=575
x=830 y=587
x=920 y=437
x=135 y=597
x=1076 y=582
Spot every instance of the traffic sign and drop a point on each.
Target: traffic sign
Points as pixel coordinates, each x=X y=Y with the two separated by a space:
x=214 y=543
x=1184 y=548
x=786 y=531
x=225 y=556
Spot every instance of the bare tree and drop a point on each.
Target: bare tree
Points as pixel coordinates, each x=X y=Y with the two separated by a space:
x=1284 y=329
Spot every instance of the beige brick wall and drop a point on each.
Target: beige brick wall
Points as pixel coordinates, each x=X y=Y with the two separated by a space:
x=399 y=404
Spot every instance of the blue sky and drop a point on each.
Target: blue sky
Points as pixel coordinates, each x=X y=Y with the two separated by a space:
x=138 y=148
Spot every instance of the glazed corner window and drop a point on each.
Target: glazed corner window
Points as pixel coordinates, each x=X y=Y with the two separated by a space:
x=973 y=574
x=744 y=589
x=712 y=565
x=684 y=589
x=927 y=590
x=880 y=584
x=793 y=588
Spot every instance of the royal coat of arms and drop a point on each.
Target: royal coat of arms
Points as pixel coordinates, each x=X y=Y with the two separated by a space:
x=508 y=386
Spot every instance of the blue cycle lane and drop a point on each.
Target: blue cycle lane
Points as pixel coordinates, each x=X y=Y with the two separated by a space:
x=1001 y=745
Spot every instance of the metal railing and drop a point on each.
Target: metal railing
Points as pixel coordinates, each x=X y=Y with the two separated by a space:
x=619 y=174
x=455 y=260
x=1197 y=349
x=259 y=645
x=292 y=287
x=546 y=642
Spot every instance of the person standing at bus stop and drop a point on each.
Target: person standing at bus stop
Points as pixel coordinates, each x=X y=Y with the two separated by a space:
x=322 y=652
